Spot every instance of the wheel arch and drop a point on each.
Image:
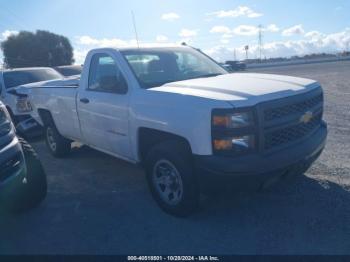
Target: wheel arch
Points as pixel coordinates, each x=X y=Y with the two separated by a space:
x=149 y=137
x=45 y=116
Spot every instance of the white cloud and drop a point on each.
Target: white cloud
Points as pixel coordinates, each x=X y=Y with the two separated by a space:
x=79 y=55
x=272 y=28
x=90 y=42
x=314 y=35
x=294 y=30
x=331 y=43
x=312 y=42
x=82 y=44
x=187 y=33
x=161 y=38
x=223 y=53
x=246 y=30
x=220 y=29
x=8 y=33
x=227 y=36
x=170 y=16
x=224 y=41
x=239 y=11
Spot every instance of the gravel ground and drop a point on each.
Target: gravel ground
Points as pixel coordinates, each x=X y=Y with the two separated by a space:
x=100 y=205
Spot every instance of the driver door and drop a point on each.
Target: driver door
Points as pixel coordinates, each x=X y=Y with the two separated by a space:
x=103 y=107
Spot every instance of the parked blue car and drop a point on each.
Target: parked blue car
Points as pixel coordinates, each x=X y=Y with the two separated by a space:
x=22 y=178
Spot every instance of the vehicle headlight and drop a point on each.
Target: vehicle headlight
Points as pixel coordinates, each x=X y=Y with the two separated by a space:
x=5 y=121
x=238 y=144
x=233 y=120
x=233 y=132
x=23 y=105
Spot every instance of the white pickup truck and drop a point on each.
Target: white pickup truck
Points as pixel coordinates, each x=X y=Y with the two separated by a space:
x=185 y=119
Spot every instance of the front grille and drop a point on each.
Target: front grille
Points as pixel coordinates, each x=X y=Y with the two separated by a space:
x=299 y=107
x=10 y=167
x=291 y=133
x=281 y=119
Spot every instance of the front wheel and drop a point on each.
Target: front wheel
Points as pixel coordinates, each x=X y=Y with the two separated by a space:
x=33 y=189
x=57 y=144
x=171 y=178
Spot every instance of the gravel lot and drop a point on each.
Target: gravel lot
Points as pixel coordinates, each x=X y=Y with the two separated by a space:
x=101 y=205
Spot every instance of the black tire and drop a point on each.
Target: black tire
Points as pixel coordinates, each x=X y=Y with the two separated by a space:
x=30 y=194
x=61 y=147
x=12 y=116
x=177 y=154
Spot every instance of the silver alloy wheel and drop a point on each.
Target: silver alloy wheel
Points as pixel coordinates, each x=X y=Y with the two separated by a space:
x=167 y=181
x=50 y=139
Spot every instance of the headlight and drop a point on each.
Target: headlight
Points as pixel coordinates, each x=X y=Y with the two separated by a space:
x=5 y=121
x=233 y=120
x=23 y=105
x=238 y=144
x=233 y=131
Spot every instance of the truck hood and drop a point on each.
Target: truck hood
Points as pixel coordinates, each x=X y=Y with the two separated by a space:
x=242 y=89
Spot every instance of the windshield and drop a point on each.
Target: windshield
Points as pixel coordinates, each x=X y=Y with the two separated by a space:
x=69 y=70
x=17 y=78
x=155 y=67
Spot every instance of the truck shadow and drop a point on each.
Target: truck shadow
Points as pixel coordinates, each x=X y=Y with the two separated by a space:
x=304 y=190
x=304 y=214
x=96 y=202
x=310 y=216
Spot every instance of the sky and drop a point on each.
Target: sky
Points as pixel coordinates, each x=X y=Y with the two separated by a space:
x=221 y=28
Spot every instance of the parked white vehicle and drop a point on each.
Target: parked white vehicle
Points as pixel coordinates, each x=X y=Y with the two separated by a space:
x=187 y=120
x=17 y=104
x=69 y=70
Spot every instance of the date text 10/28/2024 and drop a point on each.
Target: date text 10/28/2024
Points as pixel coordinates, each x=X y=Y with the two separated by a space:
x=173 y=258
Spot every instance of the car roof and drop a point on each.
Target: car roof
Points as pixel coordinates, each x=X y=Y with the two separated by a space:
x=24 y=69
x=68 y=66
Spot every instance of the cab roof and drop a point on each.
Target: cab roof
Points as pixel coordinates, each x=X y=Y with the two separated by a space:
x=144 y=48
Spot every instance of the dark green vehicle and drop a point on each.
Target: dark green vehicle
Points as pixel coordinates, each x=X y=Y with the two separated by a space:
x=22 y=178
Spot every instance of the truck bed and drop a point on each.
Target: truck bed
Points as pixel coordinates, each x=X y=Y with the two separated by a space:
x=60 y=100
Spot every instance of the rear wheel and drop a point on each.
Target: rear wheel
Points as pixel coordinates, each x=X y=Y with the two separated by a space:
x=171 y=178
x=57 y=144
x=33 y=188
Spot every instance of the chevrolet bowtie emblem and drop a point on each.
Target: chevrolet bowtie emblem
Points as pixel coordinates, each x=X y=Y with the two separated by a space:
x=306 y=118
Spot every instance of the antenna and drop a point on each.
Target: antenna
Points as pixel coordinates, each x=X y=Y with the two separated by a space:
x=134 y=23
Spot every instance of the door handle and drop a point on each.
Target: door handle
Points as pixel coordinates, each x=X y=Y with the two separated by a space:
x=84 y=100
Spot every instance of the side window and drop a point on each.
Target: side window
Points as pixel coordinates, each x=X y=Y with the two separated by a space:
x=105 y=76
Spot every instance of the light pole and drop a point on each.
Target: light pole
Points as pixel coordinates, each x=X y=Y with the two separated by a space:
x=246 y=48
x=260 y=41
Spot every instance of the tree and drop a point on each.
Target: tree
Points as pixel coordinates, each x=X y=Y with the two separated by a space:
x=41 y=48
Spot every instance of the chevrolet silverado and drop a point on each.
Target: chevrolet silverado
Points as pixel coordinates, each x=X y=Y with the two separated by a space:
x=185 y=119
